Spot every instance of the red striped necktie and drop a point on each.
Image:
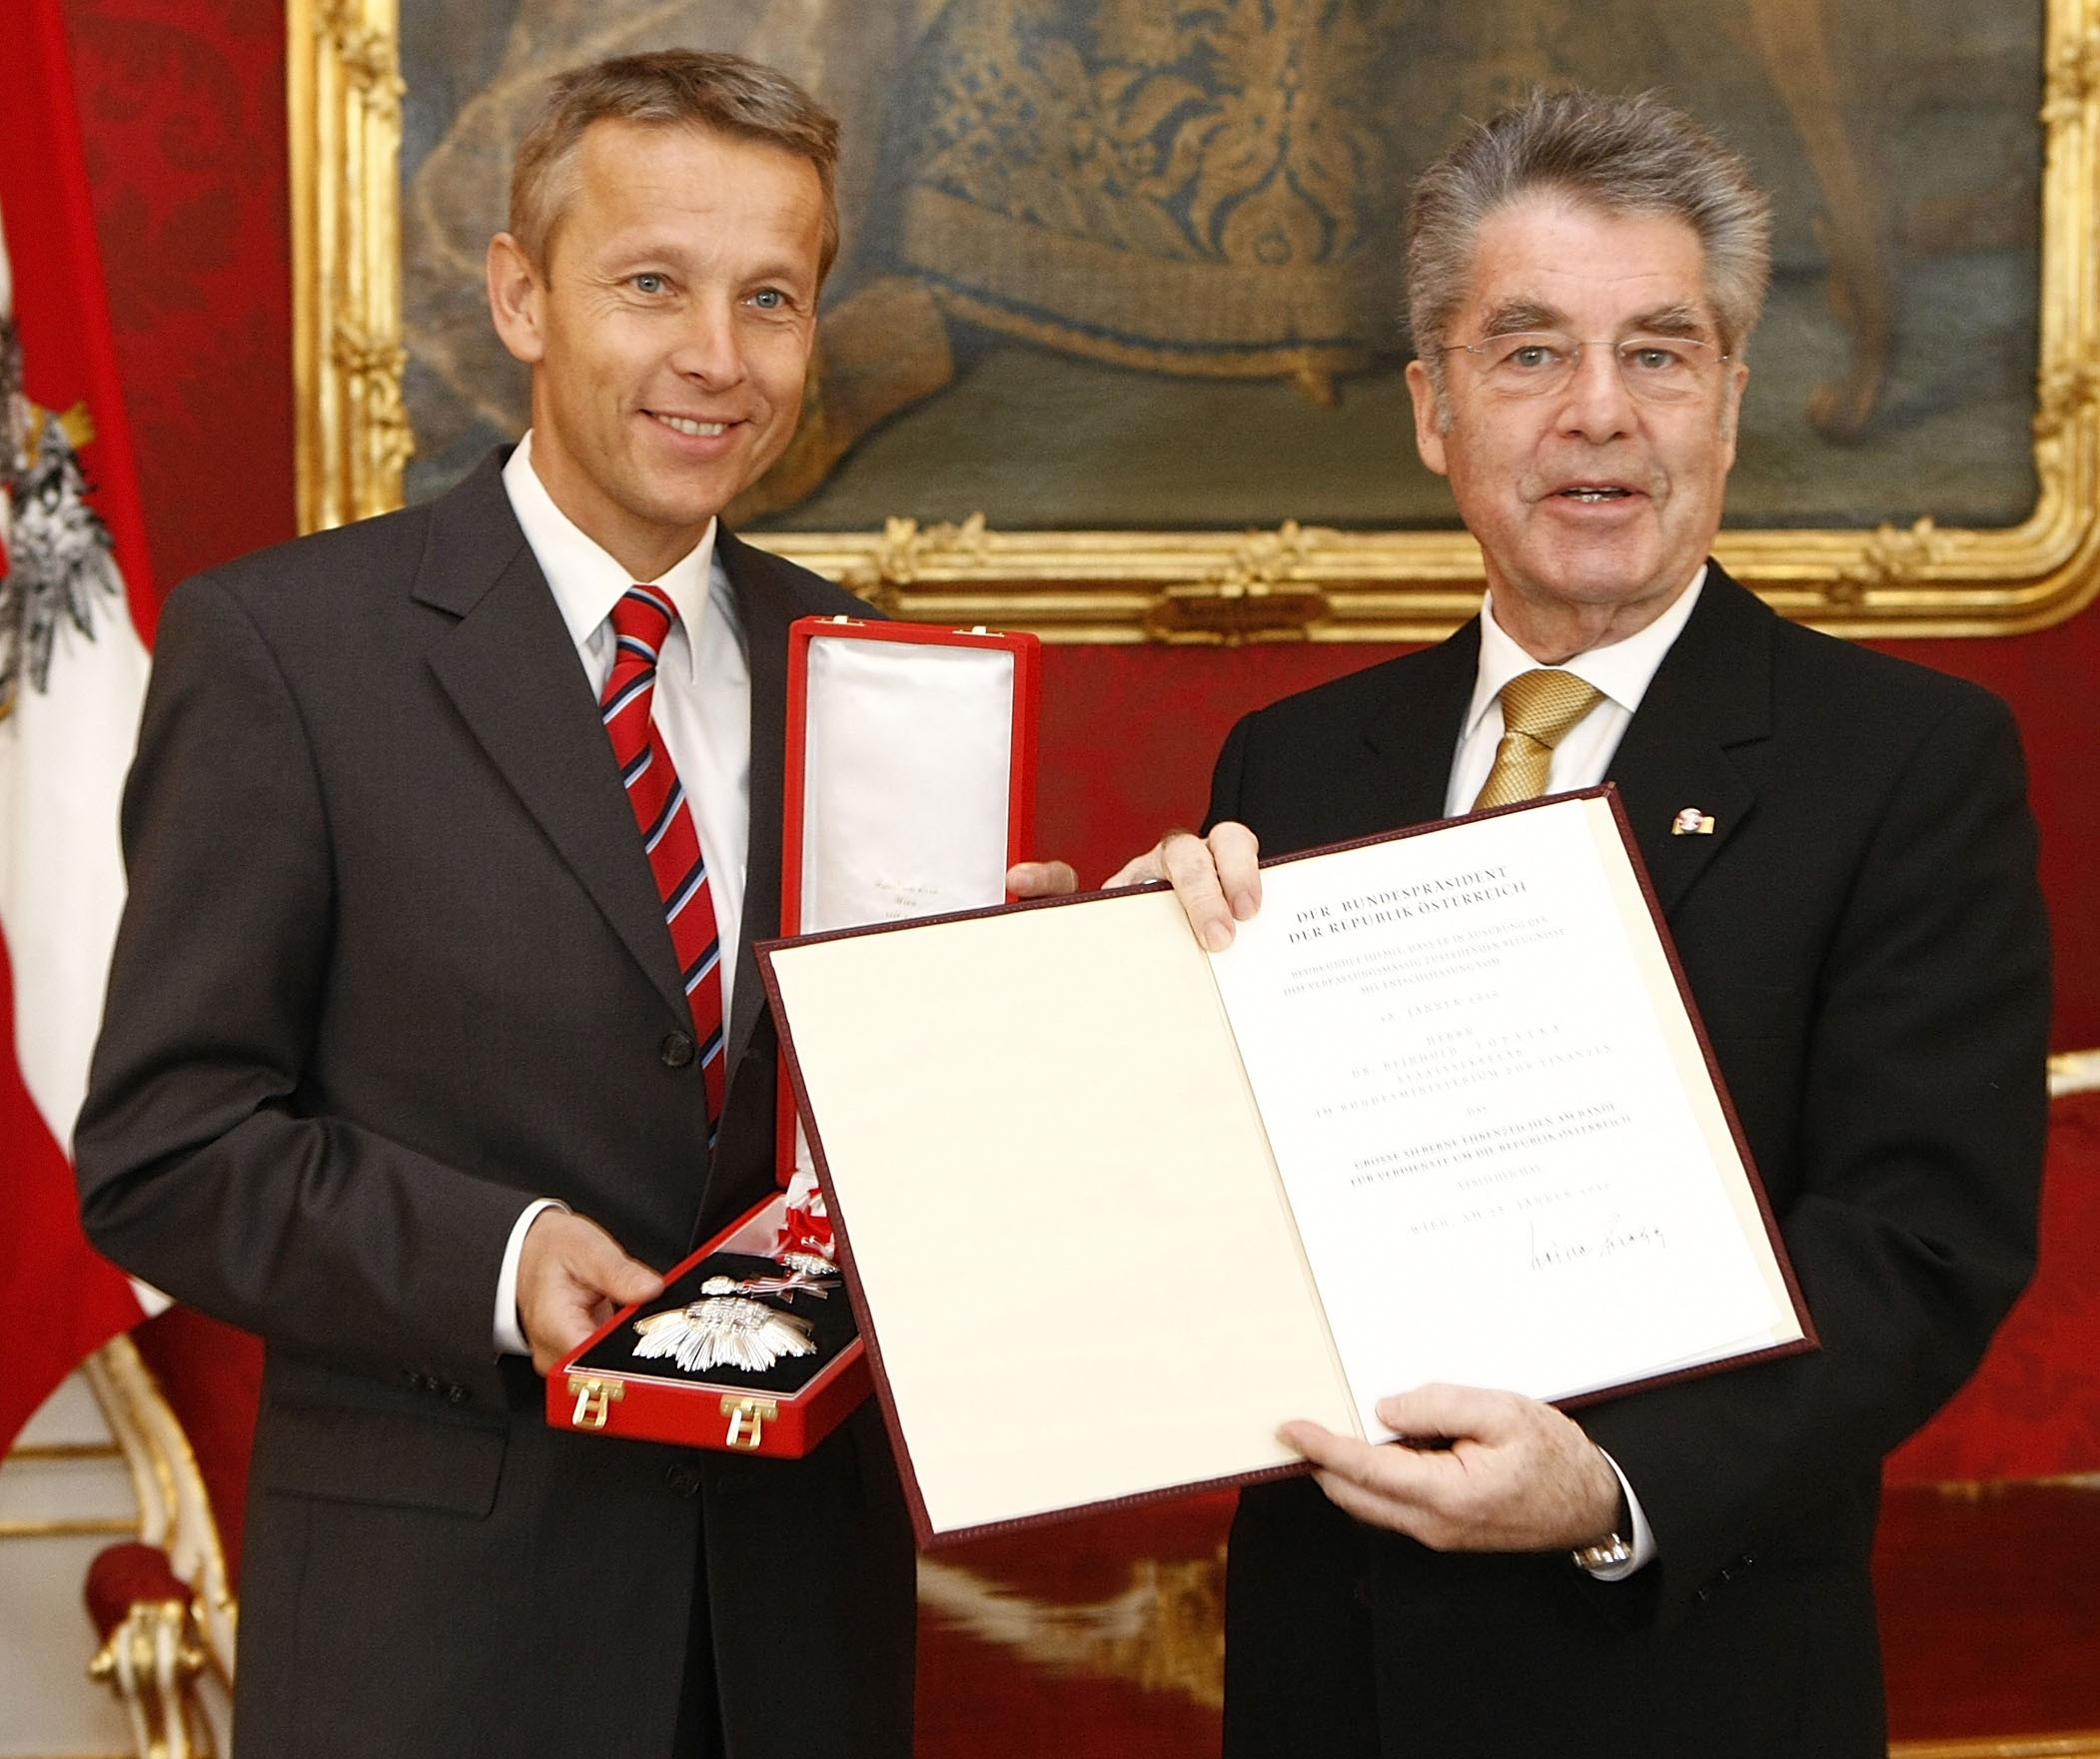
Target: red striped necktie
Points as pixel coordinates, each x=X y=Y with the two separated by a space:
x=640 y=621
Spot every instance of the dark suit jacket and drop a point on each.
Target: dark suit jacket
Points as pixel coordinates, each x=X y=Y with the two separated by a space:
x=393 y=960
x=1864 y=937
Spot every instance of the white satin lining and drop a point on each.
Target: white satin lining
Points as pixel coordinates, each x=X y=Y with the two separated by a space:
x=904 y=790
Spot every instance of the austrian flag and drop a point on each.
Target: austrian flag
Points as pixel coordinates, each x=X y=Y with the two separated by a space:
x=72 y=677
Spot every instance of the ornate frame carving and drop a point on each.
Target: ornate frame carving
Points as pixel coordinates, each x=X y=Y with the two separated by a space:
x=1297 y=582
x=343 y=92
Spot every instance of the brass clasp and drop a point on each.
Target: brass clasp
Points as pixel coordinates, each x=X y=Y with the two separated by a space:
x=747 y=1420
x=595 y=1401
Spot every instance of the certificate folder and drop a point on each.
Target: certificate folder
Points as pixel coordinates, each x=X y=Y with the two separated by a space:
x=1112 y=1208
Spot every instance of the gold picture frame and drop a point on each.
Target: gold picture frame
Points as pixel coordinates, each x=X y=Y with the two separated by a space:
x=1298 y=582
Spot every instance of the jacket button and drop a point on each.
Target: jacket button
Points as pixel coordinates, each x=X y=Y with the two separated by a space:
x=683 y=1478
x=677 y=1049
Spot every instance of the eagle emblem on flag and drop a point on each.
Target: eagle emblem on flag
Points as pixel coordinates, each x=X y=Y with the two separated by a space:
x=56 y=557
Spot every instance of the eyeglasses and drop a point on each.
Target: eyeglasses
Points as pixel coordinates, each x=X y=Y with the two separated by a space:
x=1537 y=362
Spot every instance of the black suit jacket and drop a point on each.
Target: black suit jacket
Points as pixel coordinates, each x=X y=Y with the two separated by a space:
x=1864 y=937
x=393 y=961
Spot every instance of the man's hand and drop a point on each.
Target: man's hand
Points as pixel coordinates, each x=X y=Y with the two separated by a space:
x=1516 y=1476
x=571 y=1278
x=1042 y=879
x=1217 y=878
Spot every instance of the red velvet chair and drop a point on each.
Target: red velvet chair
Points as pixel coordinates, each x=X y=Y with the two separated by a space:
x=179 y=1394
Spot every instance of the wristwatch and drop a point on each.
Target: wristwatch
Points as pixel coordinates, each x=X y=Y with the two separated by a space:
x=1614 y=1548
x=1606 y=1554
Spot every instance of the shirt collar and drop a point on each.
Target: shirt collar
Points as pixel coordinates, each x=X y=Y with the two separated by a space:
x=1623 y=670
x=586 y=580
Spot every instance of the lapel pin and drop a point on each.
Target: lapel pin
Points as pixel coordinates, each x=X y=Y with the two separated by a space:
x=1692 y=822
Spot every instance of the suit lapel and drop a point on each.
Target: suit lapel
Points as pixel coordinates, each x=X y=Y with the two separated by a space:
x=510 y=670
x=1414 y=729
x=1710 y=699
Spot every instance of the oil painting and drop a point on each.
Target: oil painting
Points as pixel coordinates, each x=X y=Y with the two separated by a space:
x=1118 y=263
x=1115 y=345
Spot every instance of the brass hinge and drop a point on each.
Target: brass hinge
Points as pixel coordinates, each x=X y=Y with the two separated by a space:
x=747 y=1420
x=595 y=1401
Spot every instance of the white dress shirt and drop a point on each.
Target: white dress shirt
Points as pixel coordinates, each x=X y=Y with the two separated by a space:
x=702 y=707
x=1623 y=671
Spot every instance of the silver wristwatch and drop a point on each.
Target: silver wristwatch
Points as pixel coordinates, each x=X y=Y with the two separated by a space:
x=1606 y=1554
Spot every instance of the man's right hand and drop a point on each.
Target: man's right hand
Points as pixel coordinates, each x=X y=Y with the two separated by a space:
x=571 y=1278
x=1217 y=878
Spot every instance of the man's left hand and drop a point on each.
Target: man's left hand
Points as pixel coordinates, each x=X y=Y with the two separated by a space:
x=1515 y=1476
x=1218 y=878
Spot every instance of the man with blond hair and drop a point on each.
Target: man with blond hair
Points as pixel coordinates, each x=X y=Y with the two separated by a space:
x=1843 y=848
x=418 y=1056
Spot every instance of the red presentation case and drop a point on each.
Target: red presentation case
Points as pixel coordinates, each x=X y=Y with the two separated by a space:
x=901 y=766
x=603 y=1386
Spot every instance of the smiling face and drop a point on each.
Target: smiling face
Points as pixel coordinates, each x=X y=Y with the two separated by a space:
x=669 y=330
x=1594 y=508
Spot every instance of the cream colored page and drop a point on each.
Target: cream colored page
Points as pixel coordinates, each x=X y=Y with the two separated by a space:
x=1060 y=1205
x=1500 y=1161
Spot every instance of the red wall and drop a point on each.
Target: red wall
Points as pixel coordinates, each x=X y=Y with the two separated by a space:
x=183 y=105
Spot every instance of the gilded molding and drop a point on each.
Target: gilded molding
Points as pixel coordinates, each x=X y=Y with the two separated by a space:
x=1294 y=584
x=69 y=1527
x=908 y=549
x=344 y=91
x=2073 y=1072
x=2067 y=393
x=1891 y=558
x=174 y=1504
x=2074 y=73
x=1163 y=1632
x=1260 y=592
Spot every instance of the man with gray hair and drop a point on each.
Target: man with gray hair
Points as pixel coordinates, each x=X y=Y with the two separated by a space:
x=1843 y=848
x=449 y=837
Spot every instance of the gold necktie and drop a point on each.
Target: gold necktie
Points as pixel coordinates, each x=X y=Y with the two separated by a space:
x=1539 y=709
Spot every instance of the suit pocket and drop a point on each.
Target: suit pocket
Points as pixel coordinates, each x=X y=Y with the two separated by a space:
x=379 y=1456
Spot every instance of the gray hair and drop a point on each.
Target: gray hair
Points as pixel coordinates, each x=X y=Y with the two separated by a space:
x=1633 y=155
x=670 y=88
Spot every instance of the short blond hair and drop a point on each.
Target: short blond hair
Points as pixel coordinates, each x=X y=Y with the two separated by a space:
x=666 y=88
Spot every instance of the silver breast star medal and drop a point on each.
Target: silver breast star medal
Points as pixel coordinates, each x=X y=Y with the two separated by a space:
x=726 y=1328
x=725 y=1332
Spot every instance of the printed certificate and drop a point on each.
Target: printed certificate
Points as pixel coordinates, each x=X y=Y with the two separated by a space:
x=1114 y=1208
